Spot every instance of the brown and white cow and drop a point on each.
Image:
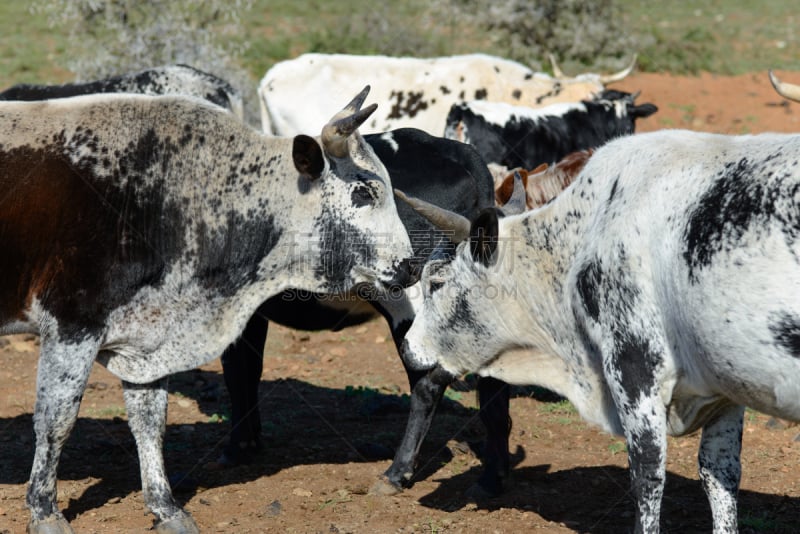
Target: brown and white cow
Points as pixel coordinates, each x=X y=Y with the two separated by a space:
x=143 y=232
x=543 y=183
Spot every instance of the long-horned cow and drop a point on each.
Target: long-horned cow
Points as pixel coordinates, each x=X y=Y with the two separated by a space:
x=658 y=293
x=143 y=232
x=413 y=92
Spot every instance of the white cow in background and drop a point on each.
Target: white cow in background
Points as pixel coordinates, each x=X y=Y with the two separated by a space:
x=412 y=92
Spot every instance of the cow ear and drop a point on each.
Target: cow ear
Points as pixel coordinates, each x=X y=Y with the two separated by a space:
x=642 y=110
x=483 y=236
x=308 y=158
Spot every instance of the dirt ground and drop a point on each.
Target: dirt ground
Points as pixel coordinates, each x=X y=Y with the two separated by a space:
x=334 y=407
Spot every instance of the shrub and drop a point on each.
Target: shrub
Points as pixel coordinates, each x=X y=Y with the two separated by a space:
x=579 y=33
x=107 y=37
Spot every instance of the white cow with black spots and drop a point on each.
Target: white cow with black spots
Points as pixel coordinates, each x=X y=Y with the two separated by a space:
x=143 y=232
x=659 y=293
x=413 y=92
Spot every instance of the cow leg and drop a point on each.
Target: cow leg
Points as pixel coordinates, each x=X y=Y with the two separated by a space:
x=494 y=397
x=60 y=382
x=633 y=366
x=720 y=468
x=427 y=390
x=147 y=415
x=646 y=437
x=242 y=363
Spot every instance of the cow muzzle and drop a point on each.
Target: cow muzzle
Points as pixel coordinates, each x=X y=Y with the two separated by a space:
x=407 y=273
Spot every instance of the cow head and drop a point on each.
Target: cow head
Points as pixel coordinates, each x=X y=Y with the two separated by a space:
x=459 y=294
x=358 y=236
x=459 y=317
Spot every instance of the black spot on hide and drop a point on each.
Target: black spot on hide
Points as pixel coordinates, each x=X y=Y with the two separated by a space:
x=229 y=257
x=744 y=195
x=786 y=330
x=341 y=247
x=589 y=282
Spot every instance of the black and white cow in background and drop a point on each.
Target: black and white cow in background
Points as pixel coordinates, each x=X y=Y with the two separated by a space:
x=413 y=92
x=145 y=231
x=658 y=293
x=448 y=174
x=516 y=136
x=164 y=80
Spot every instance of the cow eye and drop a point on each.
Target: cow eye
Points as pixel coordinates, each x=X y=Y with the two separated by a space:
x=363 y=194
x=434 y=276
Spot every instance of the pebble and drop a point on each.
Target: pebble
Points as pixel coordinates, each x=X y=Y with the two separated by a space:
x=300 y=492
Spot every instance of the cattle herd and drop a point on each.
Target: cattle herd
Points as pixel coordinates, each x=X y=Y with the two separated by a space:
x=535 y=239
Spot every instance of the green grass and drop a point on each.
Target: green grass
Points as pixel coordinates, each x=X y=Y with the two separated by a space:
x=720 y=36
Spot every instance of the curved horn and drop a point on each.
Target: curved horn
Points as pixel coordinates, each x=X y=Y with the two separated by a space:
x=517 y=202
x=358 y=101
x=556 y=69
x=336 y=132
x=441 y=218
x=617 y=76
x=786 y=90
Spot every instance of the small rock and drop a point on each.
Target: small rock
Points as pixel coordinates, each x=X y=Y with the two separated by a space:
x=775 y=424
x=274 y=508
x=114 y=500
x=380 y=339
x=300 y=492
x=361 y=330
x=184 y=403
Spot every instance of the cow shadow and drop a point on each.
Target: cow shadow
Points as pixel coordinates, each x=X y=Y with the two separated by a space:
x=304 y=424
x=597 y=500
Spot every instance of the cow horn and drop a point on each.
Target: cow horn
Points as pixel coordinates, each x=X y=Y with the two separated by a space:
x=617 y=76
x=344 y=123
x=517 y=202
x=358 y=101
x=786 y=90
x=556 y=69
x=445 y=220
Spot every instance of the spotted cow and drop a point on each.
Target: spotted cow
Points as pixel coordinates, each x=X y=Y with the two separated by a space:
x=164 y=80
x=413 y=92
x=658 y=293
x=143 y=232
x=446 y=173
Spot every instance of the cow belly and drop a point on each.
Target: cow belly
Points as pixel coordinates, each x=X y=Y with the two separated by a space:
x=156 y=336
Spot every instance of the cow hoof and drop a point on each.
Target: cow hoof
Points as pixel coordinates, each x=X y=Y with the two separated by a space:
x=384 y=488
x=178 y=525
x=54 y=525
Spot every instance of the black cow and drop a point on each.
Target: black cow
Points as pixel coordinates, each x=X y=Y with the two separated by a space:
x=515 y=136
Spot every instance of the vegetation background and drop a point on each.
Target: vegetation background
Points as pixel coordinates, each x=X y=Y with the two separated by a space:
x=54 y=41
